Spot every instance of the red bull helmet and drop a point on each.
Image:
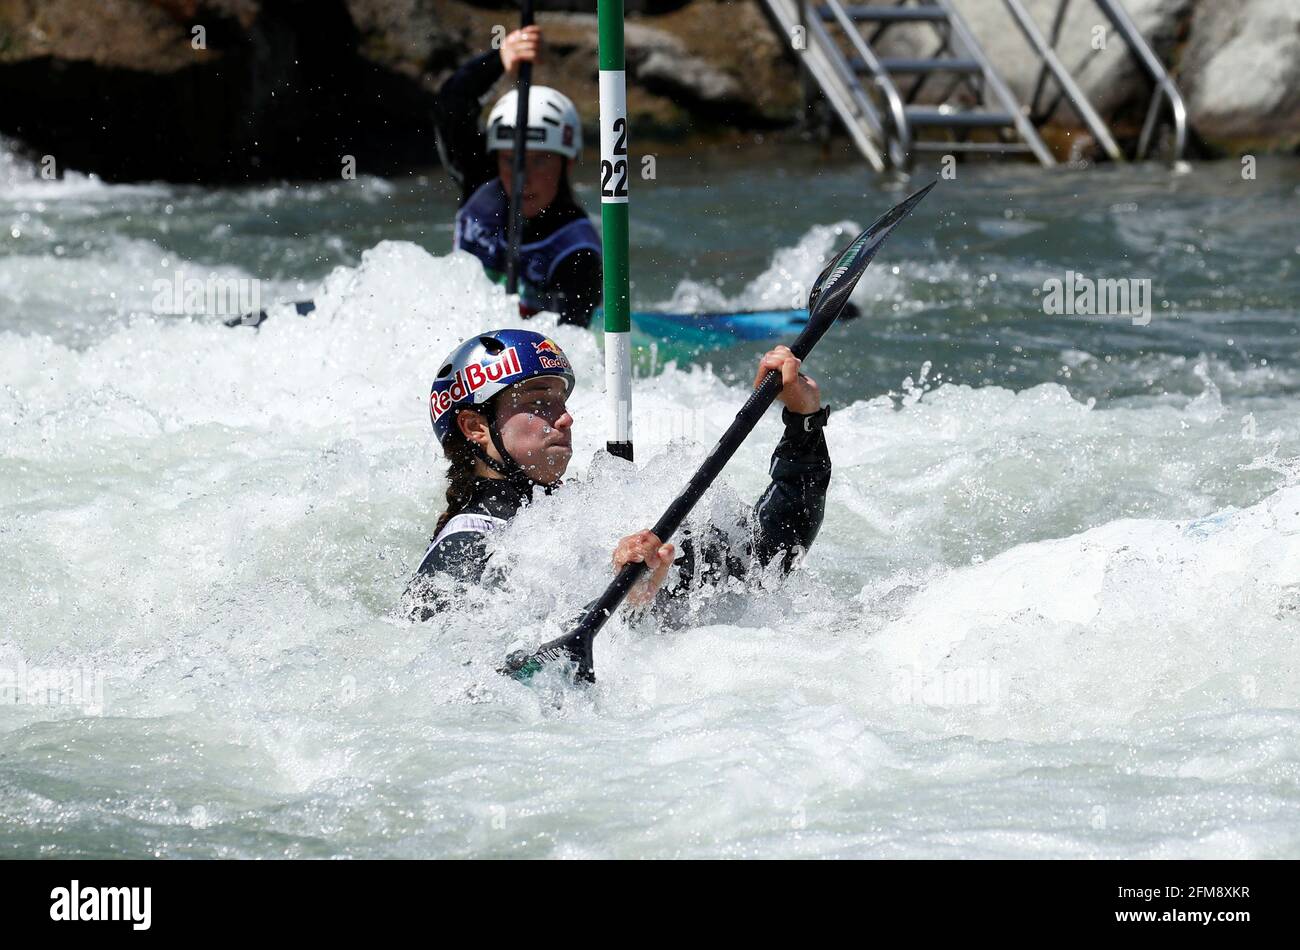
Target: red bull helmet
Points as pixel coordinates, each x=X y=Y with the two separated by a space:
x=480 y=368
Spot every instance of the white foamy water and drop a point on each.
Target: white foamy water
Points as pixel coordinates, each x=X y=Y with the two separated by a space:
x=1031 y=625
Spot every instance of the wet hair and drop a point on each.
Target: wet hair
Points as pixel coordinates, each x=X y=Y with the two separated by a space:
x=461 y=476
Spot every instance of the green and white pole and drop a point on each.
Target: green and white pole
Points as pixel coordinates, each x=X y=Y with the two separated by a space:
x=614 y=176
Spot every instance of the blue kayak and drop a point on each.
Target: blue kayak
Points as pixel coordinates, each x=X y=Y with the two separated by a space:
x=695 y=331
x=720 y=329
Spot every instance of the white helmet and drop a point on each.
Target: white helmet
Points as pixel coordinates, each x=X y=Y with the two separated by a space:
x=553 y=124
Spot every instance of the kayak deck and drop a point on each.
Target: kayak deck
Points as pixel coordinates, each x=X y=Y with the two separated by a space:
x=720 y=329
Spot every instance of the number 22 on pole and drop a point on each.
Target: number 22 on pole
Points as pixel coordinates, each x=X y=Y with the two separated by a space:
x=614 y=228
x=613 y=171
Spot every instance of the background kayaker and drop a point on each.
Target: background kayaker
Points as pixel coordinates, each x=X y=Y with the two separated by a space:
x=560 y=264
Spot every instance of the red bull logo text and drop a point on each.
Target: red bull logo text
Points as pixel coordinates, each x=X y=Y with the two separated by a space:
x=550 y=356
x=473 y=378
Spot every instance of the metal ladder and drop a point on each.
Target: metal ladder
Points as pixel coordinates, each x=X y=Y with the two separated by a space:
x=875 y=96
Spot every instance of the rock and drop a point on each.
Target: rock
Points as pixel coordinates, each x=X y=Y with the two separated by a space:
x=288 y=89
x=1094 y=54
x=126 y=34
x=752 y=77
x=1236 y=64
x=124 y=88
x=278 y=89
x=662 y=64
x=687 y=77
x=404 y=35
x=1242 y=73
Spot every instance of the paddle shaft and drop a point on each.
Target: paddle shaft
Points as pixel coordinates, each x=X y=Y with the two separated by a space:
x=516 y=225
x=828 y=299
x=757 y=404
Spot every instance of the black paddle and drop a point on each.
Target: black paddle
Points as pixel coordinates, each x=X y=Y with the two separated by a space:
x=829 y=296
x=515 y=227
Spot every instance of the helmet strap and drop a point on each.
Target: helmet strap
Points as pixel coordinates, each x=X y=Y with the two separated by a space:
x=506 y=467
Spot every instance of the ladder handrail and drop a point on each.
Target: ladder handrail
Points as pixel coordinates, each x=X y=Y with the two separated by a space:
x=847 y=76
x=1164 y=84
x=1058 y=21
x=991 y=78
x=867 y=98
x=1047 y=56
x=881 y=77
x=866 y=108
x=840 y=87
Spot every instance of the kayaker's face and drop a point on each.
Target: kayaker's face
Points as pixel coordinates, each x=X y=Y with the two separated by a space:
x=542 y=174
x=535 y=426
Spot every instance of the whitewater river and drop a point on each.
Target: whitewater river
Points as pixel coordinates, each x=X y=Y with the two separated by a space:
x=1054 y=609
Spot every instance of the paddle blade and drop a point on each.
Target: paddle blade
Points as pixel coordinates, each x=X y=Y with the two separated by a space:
x=831 y=291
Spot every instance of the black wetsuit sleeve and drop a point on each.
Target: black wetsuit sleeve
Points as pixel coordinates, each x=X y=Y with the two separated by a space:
x=462 y=145
x=462 y=557
x=576 y=287
x=784 y=522
x=789 y=515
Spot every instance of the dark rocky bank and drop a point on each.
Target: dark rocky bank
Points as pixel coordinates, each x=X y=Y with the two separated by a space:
x=239 y=90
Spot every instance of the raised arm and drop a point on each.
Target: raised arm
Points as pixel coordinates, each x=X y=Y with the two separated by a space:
x=787 y=517
x=462 y=145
